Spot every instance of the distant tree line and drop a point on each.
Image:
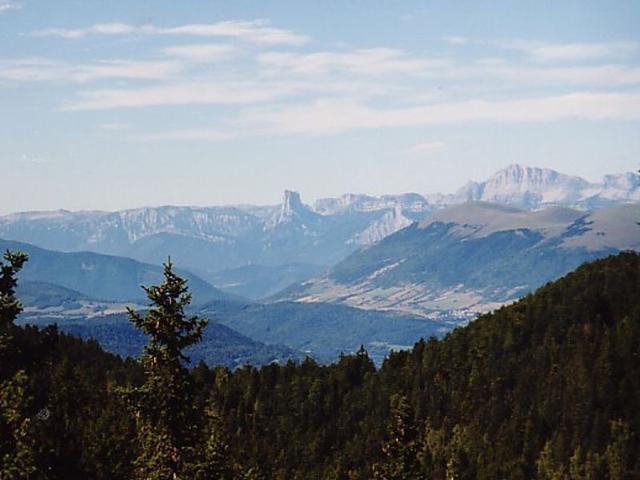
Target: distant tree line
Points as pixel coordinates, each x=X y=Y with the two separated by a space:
x=546 y=388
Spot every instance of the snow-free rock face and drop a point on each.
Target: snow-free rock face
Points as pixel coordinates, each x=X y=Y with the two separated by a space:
x=412 y=203
x=211 y=223
x=390 y=222
x=292 y=210
x=533 y=188
x=526 y=187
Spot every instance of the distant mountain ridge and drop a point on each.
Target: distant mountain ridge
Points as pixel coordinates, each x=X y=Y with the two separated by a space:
x=99 y=277
x=534 y=188
x=470 y=258
x=210 y=241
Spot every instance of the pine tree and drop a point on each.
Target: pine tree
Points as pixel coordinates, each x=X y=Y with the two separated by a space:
x=400 y=451
x=17 y=459
x=166 y=418
x=10 y=306
x=617 y=452
x=214 y=463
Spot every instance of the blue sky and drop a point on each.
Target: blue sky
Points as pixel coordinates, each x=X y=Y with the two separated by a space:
x=109 y=105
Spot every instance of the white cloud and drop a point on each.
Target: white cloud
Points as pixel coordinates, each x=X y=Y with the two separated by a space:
x=97 y=29
x=373 y=61
x=255 y=31
x=202 y=135
x=201 y=52
x=597 y=75
x=557 y=52
x=456 y=40
x=426 y=148
x=40 y=70
x=384 y=61
x=6 y=5
x=227 y=91
x=188 y=93
x=334 y=116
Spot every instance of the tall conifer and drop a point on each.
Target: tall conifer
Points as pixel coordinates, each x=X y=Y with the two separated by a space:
x=166 y=418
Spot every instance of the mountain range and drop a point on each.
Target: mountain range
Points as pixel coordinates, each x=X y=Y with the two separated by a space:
x=214 y=242
x=470 y=258
x=355 y=270
x=50 y=277
x=87 y=294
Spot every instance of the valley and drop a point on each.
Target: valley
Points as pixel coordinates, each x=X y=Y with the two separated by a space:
x=379 y=272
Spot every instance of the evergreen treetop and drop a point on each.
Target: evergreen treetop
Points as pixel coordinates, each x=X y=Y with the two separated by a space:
x=166 y=323
x=10 y=306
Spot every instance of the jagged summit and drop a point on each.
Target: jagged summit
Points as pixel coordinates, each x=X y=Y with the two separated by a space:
x=525 y=187
x=523 y=178
x=292 y=209
x=291 y=203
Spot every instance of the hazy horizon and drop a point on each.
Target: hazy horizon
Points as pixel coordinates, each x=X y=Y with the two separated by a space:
x=306 y=200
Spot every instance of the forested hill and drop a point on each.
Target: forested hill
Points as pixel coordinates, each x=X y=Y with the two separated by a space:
x=546 y=388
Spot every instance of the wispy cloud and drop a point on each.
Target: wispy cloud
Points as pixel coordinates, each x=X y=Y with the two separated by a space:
x=201 y=52
x=373 y=61
x=255 y=31
x=39 y=70
x=203 y=135
x=335 y=116
x=187 y=93
x=216 y=91
x=596 y=75
x=426 y=148
x=394 y=63
x=457 y=40
x=6 y=5
x=556 y=52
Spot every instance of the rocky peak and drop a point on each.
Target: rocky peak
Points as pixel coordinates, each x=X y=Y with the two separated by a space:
x=518 y=177
x=624 y=181
x=291 y=203
x=292 y=209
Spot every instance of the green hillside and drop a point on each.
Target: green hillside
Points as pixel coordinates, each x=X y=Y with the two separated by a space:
x=100 y=277
x=546 y=388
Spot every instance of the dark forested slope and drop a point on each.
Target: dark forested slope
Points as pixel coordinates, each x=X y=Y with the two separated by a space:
x=547 y=388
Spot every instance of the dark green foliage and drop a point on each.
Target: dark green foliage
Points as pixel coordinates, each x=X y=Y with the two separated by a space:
x=170 y=331
x=163 y=407
x=10 y=306
x=545 y=388
x=220 y=345
x=400 y=449
x=324 y=330
x=16 y=439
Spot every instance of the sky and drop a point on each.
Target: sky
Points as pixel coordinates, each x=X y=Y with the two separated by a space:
x=122 y=104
